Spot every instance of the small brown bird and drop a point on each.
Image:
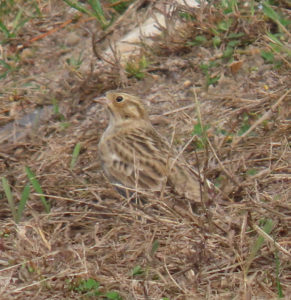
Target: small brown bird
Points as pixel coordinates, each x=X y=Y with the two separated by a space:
x=135 y=156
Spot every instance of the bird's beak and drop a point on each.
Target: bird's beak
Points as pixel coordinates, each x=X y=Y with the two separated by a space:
x=102 y=100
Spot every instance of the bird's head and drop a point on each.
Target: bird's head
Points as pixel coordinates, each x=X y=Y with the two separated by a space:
x=123 y=107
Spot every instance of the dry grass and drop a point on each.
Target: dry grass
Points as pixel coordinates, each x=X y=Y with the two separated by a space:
x=93 y=233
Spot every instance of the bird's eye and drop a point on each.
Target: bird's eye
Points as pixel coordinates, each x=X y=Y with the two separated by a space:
x=119 y=99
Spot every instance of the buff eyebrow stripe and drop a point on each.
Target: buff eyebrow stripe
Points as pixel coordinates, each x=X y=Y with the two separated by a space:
x=140 y=110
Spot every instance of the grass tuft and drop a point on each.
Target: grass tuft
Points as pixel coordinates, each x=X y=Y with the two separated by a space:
x=75 y=155
x=16 y=213
x=267 y=226
x=31 y=176
x=278 y=283
x=9 y=196
x=24 y=197
x=95 y=10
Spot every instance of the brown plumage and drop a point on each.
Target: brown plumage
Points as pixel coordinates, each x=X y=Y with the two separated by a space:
x=135 y=156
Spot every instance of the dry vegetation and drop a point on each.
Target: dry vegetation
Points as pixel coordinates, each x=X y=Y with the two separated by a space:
x=237 y=243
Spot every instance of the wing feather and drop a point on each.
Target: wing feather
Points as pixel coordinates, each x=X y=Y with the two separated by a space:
x=140 y=157
x=128 y=158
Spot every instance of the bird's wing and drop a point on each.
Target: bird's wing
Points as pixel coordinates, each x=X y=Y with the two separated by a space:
x=174 y=169
x=136 y=158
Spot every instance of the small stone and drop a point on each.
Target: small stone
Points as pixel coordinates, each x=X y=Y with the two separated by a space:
x=18 y=152
x=155 y=77
x=27 y=53
x=72 y=39
x=187 y=83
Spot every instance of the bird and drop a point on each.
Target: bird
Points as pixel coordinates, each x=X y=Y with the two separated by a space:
x=135 y=157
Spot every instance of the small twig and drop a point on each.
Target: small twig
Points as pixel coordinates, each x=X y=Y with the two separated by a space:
x=261 y=120
x=202 y=127
x=97 y=206
x=203 y=192
x=41 y=36
x=97 y=52
x=178 y=109
x=59 y=275
x=261 y=232
x=171 y=277
x=26 y=261
x=281 y=56
x=167 y=162
x=181 y=152
x=227 y=173
x=283 y=28
x=117 y=3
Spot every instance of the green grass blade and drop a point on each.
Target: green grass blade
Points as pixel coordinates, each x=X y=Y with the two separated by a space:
x=274 y=39
x=269 y=12
x=98 y=11
x=260 y=240
x=37 y=188
x=4 y=29
x=22 y=203
x=137 y=270
x=272 y=14
x=37 y=9
x=3 y=75
x=5 y=64
x=20 y=25
x=278 y=283
x=75 y=155
x=9 y=196
x=56 y=108
x=16 y=20
x=112 y=295
x=277 y=44
x=252 y=7
x=96 y=5
x=268 y=226
x=78 y=7
x=155 y=247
